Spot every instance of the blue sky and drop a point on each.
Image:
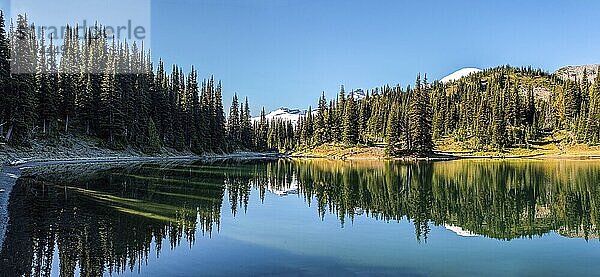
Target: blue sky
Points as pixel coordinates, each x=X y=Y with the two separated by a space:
x=284 y=53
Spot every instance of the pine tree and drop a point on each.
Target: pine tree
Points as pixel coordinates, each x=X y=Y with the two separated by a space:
x=22 y=84
x=67 y=78
x=338 y=116
x=192 y=112
x=177 y=91
x=5 y=84
x=392 y=133
x=45 y=100
x=308 y=128
x=233 y=124
x=364 y=111
x=320 y=121
x=153 y=145
x=263 y=131
x=593 y=121
x=498 y=124
x=350 y=122
x=110 y=110
x=219 y=118
x=420 y=137
x=246 y=126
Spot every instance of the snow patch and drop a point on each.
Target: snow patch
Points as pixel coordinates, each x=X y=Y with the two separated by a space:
x=283 y=190
x=460 y=231
x=459 y=74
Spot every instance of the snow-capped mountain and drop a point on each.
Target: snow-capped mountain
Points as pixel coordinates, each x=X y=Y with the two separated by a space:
x=359 y=94
x=459 y=74
x=284 y=113
x=294 y=115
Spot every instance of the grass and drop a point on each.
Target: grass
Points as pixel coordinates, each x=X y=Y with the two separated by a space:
x=552 y=146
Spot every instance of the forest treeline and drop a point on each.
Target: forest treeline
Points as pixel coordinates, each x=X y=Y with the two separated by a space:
x=110 y=90
x=491 y=110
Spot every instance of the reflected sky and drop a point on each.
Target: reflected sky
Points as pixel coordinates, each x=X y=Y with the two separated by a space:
x=307 y=218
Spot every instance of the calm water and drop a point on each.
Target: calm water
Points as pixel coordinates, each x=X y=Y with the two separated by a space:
x=307 y=217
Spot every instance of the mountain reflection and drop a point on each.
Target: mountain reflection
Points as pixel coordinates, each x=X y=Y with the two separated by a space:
x=109 y=221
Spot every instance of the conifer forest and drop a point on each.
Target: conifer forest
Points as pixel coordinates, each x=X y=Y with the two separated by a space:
x=132 y=102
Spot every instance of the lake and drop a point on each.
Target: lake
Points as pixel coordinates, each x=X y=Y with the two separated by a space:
x=306 y=218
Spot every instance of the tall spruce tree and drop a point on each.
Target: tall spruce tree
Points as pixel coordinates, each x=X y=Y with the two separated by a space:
x=246 y=133
x=219 y=118
x=233 y=124
x=350 y=122
x=420 y=140
x=21 y=123
x=393 y=133
x=5 y=79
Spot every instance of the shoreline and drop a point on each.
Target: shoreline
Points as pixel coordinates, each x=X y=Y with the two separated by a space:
x=540 y=156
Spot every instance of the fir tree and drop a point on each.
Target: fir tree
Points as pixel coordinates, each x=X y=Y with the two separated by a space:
x=22 y=84
x=420 y=140
x=246 y=126
x=350 y=122
x=233 y=123
x=153 y=145
x=218 y=128
x=392 y=133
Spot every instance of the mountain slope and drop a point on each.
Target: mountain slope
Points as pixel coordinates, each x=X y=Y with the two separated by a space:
x=576 y=72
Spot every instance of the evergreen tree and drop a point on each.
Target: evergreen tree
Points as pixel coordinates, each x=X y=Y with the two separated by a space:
x=262 y=131
x=219 y=118
x=498 y=124
x=233 y=123
x=320 y=121
x=593 y=121
x=392 y=133
x=420 y=136
x=67 y=78
x=111 y=114
x=338 y=116
x=153 y=145
x=23 y=107
x=5 y=79
x=246 y=126
x=350 y=122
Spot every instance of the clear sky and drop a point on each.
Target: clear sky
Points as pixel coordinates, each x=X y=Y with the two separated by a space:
x=284 y=53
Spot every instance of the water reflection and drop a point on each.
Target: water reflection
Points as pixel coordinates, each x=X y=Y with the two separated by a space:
x=109 y=221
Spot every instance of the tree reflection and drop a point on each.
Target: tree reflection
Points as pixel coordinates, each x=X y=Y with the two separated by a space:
x=110 y=221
